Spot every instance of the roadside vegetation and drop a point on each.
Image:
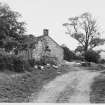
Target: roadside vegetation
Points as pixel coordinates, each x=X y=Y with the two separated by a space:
x=18 y=87
x=19 y=78
x=97 y=94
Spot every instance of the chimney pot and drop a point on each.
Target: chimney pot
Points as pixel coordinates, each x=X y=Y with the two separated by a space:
x=45 y=32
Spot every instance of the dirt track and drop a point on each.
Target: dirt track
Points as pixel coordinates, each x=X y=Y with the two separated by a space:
x=73 y=87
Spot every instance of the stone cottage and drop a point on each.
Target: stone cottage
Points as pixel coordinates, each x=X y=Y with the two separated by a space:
x=46 y=46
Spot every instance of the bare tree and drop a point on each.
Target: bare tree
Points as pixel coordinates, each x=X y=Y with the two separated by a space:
x=84 y=29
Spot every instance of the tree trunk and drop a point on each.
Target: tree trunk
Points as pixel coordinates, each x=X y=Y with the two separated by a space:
x=85 y=50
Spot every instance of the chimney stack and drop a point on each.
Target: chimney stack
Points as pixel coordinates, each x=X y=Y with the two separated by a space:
x=45 y=32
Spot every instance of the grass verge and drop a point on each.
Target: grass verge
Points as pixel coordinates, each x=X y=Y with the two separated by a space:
x=97 y=94
x=19 y=88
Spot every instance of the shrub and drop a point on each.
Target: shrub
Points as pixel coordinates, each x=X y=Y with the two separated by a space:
x=92 y=56
x=31 y=62
x=2 y=63
x=6 y=62
x=18 y=65
x=68 y=55
x=21 y=65
x=80 y=58
x=13 y=63
x=102 y=61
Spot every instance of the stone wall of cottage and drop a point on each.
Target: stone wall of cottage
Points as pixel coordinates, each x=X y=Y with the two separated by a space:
x=40 y=49
x=55 y=49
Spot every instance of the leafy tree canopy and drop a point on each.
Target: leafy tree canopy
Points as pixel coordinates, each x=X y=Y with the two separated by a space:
x=11 y=29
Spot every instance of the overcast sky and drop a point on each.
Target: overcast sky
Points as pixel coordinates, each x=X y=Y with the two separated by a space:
x=51 y=14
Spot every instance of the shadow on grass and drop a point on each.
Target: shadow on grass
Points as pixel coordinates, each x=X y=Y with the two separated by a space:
x=97 y=94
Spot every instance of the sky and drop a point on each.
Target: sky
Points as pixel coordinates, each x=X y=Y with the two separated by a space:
x=51 y=14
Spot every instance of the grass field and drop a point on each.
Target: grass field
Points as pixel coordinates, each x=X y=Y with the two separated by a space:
x=19 y=87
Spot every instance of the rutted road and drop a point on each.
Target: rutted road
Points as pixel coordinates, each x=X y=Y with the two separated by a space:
x=73 y=87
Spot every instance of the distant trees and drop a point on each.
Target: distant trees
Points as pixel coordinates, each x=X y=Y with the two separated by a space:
x=92 y=56
x=11 y=29
x=84 y=29
x=68 y=55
